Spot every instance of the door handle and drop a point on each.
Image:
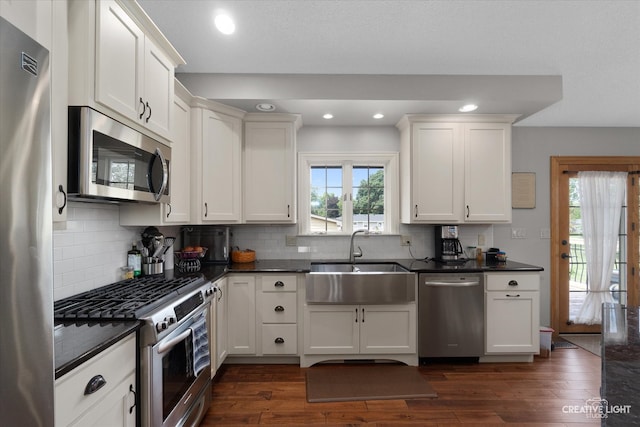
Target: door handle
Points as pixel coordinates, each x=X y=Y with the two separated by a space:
x=565 y=256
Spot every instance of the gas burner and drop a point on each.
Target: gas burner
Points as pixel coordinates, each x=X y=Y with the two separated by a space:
x=127 y=299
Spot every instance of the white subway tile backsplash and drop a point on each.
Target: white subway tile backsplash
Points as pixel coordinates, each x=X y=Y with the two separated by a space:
x=88 y=254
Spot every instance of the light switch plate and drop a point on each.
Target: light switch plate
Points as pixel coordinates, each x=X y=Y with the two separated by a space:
x=481 y=241
x=292 y=240
x=545 y=233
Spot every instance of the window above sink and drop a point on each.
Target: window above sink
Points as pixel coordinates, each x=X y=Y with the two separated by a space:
x=340 y=193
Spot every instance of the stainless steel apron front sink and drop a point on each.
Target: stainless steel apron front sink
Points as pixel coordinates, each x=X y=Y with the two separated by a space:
x=360 y=283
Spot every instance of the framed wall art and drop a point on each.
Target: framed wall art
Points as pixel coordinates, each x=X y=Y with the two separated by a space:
x=523 y=190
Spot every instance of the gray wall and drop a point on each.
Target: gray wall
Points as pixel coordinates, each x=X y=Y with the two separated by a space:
x=531 y=150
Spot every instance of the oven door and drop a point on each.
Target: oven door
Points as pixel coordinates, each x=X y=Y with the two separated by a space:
x=177 y=374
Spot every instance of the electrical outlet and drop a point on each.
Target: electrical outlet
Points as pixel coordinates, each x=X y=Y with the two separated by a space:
x=292 y=240
x=406 y=240
x=519 y=233
x=481 y=241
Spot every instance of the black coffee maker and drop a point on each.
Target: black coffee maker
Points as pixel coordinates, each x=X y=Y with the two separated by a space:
x=448 y=247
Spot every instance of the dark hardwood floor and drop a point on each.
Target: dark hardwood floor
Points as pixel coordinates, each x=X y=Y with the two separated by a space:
x=468 y=394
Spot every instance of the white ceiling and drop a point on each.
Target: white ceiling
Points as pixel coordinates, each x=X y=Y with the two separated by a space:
x=558 y=63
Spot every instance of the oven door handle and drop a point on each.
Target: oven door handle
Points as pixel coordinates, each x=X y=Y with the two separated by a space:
x=166 y=346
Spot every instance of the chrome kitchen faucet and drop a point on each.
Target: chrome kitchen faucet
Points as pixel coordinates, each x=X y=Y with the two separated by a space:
x=352 y=253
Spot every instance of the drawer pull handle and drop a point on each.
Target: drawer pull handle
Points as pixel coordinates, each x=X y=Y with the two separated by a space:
x=513 y=283
x=95 y=384
x=513 y=296
x=279 y=308
x=279 y=284
x=135 y=398
x=279 y=340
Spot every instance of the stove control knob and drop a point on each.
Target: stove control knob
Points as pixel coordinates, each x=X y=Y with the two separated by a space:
x=161 y=326
x=170 y=320
x=209 y=292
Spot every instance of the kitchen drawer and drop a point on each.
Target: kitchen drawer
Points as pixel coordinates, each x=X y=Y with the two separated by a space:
x=115 y=364
x=279 y=307
x=279 y=339
x=512 y=282
x=278 y=283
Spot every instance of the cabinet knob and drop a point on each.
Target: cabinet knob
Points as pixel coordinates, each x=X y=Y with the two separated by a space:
x=279 y=340
x=513 y=283
x=95 y=384
x=279 y=284
x=279 y=308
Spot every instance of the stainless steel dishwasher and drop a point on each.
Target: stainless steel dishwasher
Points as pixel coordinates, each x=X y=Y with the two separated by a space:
x=451 y=315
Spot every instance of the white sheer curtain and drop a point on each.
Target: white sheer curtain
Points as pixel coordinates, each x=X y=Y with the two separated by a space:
x=601 y=198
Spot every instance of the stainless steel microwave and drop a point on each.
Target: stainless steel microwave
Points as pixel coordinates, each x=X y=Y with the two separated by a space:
x=110 y=161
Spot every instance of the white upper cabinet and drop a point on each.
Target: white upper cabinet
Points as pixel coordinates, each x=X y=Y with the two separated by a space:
x=487 y=172
x=178 y=211
x=121 y=65
x=270 y=167
x=455 y=169
x=216 y=163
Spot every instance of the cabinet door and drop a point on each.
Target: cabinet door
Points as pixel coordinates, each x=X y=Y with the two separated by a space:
x=119 y=61
x=241 y=315
x=437 y=172
x=59 y=104
x=220 y=165
x=331 y=329
x=116 y=409
x=270 y=171
x=117 y=365
x=221 y=323
x=388 y=329
x=487 y=172
x=512 y=322
x=179 y=210
x=158 y=89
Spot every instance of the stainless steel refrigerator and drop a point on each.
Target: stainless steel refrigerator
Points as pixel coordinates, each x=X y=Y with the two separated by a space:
x=26 y=251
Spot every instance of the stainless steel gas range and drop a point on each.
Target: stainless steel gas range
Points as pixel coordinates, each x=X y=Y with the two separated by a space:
x=175 y=364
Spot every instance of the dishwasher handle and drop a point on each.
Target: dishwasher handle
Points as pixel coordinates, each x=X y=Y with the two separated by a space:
x=447 y=283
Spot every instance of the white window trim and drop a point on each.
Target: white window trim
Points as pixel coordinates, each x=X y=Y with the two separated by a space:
x=391 y=187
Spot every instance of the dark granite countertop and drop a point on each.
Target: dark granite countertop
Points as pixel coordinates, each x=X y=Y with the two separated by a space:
x=75 y=343
x=214 y=272
x=620 y=365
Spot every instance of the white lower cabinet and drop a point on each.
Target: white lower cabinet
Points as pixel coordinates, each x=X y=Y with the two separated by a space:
x=218 y=326
x=277 y=314
x=512 y=313
x=241 y=314
x=112 y=404
x=347 y=330
x=261 y=316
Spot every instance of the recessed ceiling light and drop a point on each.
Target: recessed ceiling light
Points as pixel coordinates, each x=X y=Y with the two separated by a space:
x=378 y=116
x=264 y=106
x=225 y=24
x=328 y=116
x=467 y=108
